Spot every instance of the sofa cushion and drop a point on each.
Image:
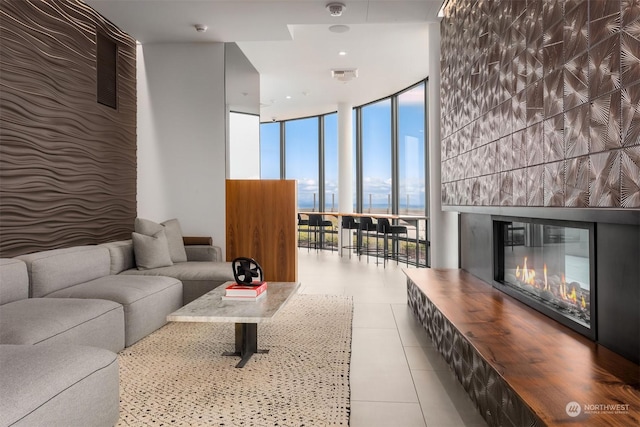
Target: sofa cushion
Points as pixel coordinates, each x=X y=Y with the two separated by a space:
x=14 y=280
x=58 y=386
x=197 y=278
x=147 y=300
x=121 y=253
x=151 y=251
x=48 y=321
x=173 y=232
x=56 y=269
x=191 y=270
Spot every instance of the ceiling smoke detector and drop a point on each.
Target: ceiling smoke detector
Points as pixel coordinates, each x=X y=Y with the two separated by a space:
x=336 y=9
x=344 y=75
x=200 y=28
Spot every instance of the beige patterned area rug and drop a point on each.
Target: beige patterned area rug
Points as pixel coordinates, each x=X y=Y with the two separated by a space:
x=178 y=377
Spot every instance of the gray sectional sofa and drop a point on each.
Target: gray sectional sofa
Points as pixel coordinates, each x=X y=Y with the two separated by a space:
x=65 y=313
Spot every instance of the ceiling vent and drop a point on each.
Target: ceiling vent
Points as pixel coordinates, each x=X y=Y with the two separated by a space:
x=344 y=75
x=336 y=9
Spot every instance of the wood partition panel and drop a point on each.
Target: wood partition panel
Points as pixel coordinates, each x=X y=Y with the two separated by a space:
x=261 y=224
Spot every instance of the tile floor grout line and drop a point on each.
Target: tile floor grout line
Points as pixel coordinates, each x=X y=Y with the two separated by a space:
x=413 y=380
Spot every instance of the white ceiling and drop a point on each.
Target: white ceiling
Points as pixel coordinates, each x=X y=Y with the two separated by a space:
x=290 y=44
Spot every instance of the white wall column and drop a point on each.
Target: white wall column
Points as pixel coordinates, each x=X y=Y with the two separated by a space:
x=181 y=136
x=345 y=163
x=345 y=158
x=443 y=225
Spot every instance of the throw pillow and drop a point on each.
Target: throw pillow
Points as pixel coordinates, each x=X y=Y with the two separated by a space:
x=151 y=251
x=174 y=237
x=146 y=227
x=172 y=231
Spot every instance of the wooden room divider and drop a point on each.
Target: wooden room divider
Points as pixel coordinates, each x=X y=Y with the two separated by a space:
x=261 y=224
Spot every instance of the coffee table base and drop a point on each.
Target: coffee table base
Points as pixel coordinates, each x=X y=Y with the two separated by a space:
x=246 y=343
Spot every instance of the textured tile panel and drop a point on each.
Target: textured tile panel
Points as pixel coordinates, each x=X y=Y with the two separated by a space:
x=605 y=116
x=504 y=154
x=493 y=190
x=554 y=175
x=553 y=100
x=630 y=57
x=630 y=110
x=577 y=182
x=576 y=29
x=519 y=105
x=630 y=178
x=604 y=18
x=535 y=103
x=534 y=57
x=604 y=185
x=560 y=78
x=554 y=139
x=506 y=189
x=553 y=47
x=520 y=149
x=576 y=131
x=535 y=144
x=535 y=186
x=576 y=81
x=533 y=21
x=630 y=13
x=519 y=187
x=604 y=67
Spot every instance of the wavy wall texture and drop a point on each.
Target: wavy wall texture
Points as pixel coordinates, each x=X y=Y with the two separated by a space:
x=541 y=103
x=67 y=163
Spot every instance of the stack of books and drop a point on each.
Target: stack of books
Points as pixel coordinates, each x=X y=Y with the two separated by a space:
x=238 y=292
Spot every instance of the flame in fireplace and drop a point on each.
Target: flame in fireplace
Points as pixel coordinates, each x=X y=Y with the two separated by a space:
x=550 y=287
x=527 y=276
x=563 y=287
x=546 y=284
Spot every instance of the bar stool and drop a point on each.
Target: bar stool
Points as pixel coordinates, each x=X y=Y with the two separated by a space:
x=350 y=223
x=385 y=228
x=302 y=222
x=316 y=225
x=366 y=226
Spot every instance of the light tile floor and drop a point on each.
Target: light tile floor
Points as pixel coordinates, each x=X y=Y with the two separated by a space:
x=397 y=377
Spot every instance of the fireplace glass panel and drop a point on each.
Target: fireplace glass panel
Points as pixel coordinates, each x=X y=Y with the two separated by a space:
x=551 y=265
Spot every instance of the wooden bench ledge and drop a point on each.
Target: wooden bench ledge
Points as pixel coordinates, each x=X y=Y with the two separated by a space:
x=546 y=364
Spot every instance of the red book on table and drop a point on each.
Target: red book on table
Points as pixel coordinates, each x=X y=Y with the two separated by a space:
x=239 y=290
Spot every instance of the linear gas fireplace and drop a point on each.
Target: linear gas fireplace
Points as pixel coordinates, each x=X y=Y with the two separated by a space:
x=548 y=265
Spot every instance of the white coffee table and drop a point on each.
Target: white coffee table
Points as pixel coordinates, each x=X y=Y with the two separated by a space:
x=245 y=314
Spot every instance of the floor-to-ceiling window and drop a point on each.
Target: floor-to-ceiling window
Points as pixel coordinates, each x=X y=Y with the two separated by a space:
x=302 y=161
x=270 y=150
x=389 y=162
x=376 y=157
x=411 y=151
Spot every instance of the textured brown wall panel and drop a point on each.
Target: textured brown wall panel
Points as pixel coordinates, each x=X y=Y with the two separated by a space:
x=541 y=103
x=67 y=163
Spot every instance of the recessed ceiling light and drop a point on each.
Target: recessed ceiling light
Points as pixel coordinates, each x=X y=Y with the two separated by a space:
x=342 y=53
x=288 y=96
x=339 y=28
